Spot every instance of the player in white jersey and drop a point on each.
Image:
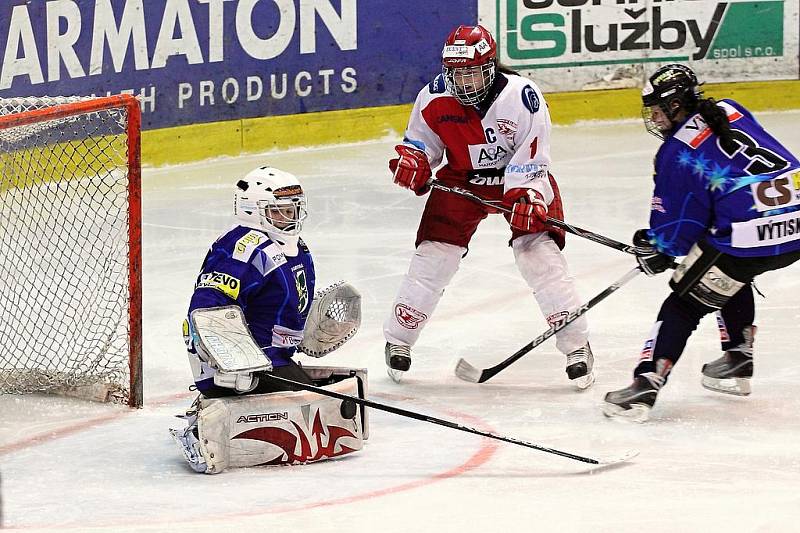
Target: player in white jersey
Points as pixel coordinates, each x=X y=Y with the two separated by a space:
x=493 y=127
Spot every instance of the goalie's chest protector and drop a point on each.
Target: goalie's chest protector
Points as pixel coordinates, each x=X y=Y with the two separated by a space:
x=272 y=288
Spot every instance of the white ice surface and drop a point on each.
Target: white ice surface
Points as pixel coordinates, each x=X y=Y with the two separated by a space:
x=708 y=462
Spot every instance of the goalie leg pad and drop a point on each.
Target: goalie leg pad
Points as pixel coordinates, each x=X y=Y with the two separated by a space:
x=278 y=428
x=324 y=375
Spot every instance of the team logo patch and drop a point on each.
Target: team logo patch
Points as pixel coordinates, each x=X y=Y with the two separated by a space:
x=283 y=337
x=557 y=319
x=507 y=128
x=488 y=156
x=408 y=317
x=224 y=283
x=302 y=288
x=530 y=99
x=244 y=247
x=781 y=191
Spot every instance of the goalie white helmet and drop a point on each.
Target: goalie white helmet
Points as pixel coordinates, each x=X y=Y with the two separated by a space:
x=273 y=200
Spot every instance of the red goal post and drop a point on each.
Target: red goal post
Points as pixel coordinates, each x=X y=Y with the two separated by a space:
x=70 y=247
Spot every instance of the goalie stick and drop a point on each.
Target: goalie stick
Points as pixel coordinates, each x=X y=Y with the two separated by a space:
x=575 y=230
x=600 y=461
x=467 y=372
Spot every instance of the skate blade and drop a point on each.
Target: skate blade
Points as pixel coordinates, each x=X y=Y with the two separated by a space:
x=584 y=382
x=637 y=412
x=734 y=386
x=396 y=375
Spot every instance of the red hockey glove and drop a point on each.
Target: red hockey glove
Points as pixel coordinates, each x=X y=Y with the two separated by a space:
x=411 y=170
x=528 y=209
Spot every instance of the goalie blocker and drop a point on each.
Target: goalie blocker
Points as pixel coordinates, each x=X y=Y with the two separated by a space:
x=221 y=345
x=277 y=428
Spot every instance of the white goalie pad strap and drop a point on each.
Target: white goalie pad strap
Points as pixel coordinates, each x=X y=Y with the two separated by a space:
x=221 y=336
x=334 y=318
x=278 y=428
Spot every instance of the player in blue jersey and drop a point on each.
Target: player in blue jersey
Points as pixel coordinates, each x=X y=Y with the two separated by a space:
x=727 y=196
x=252 y=308
x=262 y=266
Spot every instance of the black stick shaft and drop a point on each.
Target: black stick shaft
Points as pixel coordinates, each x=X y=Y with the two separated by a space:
x=575 y=230
x=426 y=418
x=490 y=372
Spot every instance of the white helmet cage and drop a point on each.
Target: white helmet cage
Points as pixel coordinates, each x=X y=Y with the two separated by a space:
x=471 y=84
x=271 y=199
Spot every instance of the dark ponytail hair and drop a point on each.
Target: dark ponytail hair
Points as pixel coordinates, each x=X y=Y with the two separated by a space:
x=716 y=118
x=505 y=69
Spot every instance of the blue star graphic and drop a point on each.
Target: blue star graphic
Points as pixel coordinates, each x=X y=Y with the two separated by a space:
x=718 y=177
x=684 y=158
x=660 y=242
x=700 y=166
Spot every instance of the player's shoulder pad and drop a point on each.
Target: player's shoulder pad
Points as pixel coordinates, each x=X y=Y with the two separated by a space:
x=437 y=86
x=255 y=247
x=525 y=89
x=734 y=109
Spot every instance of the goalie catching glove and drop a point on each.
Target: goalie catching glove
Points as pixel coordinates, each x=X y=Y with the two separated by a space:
x=334 y=318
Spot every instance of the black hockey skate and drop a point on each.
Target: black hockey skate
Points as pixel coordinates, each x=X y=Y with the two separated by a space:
x=731 y=373
x=398 y=360
x=580 y=367
x=635 y=401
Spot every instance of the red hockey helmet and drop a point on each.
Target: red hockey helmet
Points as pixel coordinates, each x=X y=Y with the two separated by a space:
x=469 y=62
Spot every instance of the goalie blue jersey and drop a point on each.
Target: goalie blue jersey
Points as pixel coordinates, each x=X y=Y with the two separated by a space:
x=741 y=197
x=245 y=267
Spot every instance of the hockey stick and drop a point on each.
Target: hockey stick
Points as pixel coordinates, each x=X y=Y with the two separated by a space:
x=452 y=425
x=467 y=372
x=575 y=230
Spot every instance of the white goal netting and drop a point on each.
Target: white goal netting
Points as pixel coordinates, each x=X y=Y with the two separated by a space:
x=70 y=292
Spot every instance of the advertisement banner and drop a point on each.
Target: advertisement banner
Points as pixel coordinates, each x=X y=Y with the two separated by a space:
x=194 y=61
x=586 y=44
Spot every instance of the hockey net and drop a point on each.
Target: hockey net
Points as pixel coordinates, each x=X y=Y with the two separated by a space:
x=70 y=248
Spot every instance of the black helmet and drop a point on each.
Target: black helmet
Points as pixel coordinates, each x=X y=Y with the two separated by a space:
x=670 y=83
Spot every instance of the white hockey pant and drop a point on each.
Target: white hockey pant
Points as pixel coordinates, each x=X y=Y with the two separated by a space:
x=432 y=267
x=544 y=269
